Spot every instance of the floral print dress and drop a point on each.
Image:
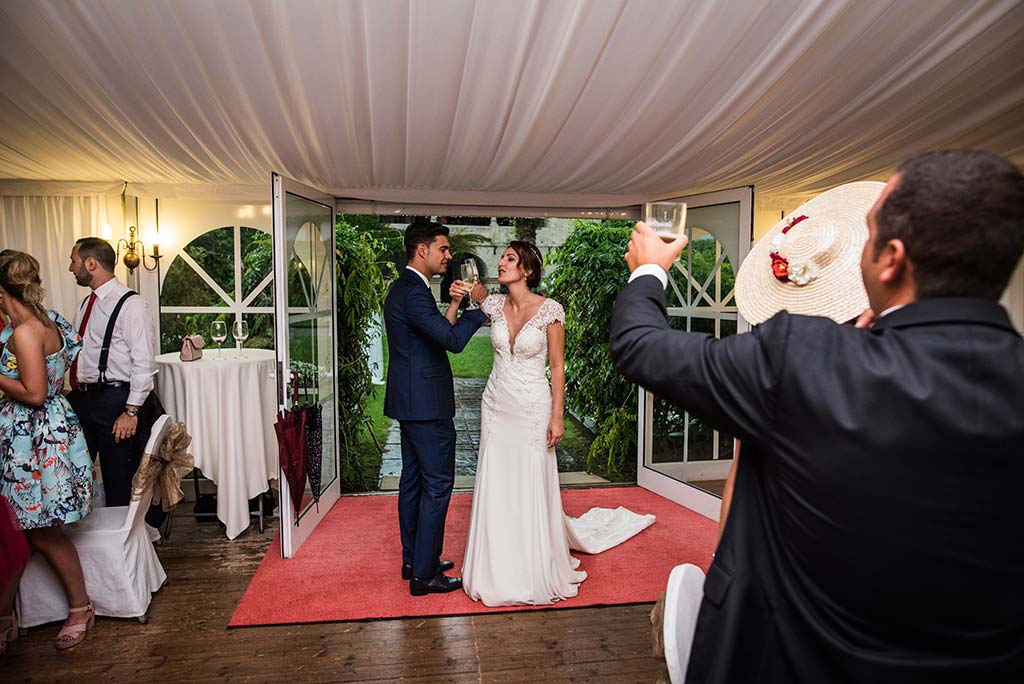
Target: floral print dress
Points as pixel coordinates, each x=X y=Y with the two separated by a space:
x=46 y=473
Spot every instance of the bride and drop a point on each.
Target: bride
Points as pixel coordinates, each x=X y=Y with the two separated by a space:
x=519 y=538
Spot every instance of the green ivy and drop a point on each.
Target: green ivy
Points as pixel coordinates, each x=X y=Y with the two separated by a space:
x=362 y=276
x=590 y=272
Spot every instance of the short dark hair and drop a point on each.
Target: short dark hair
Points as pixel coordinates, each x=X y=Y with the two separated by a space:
x=960 y=215
x=422 y=233
x=98 y=249
x=530 y=260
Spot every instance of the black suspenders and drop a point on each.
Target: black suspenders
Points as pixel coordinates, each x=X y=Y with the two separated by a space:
x=109 y=334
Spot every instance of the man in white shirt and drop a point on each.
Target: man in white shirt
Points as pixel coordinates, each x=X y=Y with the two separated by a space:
x=108 y=400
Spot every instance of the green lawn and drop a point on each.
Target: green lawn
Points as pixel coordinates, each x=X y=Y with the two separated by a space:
x=375 y=410
x=475 y=360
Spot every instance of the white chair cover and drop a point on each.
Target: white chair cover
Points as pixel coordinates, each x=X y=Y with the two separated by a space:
x=682 y=603
x=119 y=562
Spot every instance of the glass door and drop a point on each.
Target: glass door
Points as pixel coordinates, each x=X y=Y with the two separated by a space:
x=305 y=324
x=680 y=457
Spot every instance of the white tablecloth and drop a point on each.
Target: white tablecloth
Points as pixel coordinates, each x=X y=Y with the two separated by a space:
x=229 y=408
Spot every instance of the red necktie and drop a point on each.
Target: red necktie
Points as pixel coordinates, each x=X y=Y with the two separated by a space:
x=73 y=377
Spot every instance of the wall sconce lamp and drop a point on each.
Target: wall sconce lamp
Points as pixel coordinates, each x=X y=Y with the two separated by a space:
x=135 y=252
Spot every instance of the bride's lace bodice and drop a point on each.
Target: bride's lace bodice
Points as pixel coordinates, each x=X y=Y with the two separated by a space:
x=526 y=356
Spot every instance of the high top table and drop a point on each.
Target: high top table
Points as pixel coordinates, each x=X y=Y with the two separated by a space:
x=229 y=407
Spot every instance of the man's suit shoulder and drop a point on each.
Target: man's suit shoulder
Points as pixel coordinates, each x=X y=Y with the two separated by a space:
x=804 y=336
x=400 y=290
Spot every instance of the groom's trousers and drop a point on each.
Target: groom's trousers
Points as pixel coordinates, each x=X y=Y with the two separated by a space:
x=428 y=476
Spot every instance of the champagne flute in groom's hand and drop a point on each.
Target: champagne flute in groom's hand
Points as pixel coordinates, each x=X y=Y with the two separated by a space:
x=470 y=276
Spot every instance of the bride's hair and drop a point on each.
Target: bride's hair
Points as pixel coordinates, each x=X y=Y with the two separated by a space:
x=530 y=259
x=19 y=276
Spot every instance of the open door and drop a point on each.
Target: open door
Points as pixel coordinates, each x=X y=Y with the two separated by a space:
x=305 y=313
x=679 y=456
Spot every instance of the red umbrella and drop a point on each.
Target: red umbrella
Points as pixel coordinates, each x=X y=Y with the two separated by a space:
x=291 y=439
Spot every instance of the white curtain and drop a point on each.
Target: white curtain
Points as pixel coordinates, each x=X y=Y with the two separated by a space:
x=46 y=227
x=577 y=103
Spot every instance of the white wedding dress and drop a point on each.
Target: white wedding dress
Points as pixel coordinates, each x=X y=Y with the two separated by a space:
x=519 y=538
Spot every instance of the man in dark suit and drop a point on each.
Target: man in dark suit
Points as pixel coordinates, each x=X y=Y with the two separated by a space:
x=421 y=397
x=875 y=533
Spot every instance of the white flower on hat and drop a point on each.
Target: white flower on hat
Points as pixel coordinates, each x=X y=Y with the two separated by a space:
x=802 y=271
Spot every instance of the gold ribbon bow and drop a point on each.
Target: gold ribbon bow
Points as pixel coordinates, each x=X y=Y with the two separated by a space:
x=163 y=471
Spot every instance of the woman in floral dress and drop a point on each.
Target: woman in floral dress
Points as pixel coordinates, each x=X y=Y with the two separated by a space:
x=45 y=471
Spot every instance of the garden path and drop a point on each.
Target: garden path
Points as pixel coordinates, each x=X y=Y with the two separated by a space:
x=572 y=453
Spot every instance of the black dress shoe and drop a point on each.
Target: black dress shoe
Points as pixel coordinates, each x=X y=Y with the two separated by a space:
x=438 y=584
x=407 y=569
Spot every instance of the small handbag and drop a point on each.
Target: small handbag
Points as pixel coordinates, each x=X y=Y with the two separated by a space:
x=191 y=348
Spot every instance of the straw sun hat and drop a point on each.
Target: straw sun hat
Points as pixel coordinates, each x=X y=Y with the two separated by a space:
x=809 y=262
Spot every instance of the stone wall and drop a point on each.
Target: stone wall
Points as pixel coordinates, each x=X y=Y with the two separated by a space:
x=552 y=234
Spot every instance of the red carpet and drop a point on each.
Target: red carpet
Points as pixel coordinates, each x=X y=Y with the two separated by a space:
x=349 y=568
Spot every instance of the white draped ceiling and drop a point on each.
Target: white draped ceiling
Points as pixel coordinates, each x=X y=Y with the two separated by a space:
x=579 y=103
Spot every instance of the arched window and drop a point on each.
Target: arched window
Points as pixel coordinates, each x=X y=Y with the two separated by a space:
x=223 y=274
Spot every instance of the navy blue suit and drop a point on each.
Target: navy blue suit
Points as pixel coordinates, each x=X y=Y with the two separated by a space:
x=421 y=397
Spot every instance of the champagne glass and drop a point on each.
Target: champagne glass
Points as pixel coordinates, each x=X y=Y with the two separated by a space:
x=667 y=219
x=219 y=333
x=240 y=331
x=470 y=276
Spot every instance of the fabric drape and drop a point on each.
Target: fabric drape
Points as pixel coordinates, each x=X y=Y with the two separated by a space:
x=529 y=103
x=46 y=227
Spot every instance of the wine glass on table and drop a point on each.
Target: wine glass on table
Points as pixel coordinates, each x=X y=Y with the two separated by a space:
x=667 y=219
x=219 y=333
x=470 y=276
x=240 y=331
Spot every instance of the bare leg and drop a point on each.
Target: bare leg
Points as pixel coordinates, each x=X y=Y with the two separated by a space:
x=8 y=628
x=58 y=550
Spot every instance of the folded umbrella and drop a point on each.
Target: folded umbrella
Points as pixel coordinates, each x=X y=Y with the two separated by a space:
x=291 y=440
x=314 y=448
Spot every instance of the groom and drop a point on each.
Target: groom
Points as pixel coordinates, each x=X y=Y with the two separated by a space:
x=421 y=397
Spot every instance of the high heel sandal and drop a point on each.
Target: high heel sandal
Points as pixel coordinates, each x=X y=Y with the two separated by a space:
x=8 y=631
x=72 y=635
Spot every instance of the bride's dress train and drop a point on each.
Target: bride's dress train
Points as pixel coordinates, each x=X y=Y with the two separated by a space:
x=519 y=538
x=599 y=529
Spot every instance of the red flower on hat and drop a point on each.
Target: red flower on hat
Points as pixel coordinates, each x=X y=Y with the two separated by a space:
x=780 y=267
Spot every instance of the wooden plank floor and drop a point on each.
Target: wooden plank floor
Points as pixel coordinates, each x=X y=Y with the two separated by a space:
x=187 y=639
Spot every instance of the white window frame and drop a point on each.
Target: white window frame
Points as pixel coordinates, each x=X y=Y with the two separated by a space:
x=237 y=304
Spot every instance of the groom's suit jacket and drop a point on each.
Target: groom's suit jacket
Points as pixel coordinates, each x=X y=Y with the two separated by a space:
x=419 y=383
x=876 y=532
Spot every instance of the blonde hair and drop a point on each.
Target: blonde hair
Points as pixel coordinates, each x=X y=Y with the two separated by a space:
x=19 y=276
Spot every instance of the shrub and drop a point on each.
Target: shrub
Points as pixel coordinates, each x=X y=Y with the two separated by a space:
x=589 y=275
x=361 y=289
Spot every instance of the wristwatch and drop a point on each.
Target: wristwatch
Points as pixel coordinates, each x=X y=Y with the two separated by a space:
x=132 y=412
